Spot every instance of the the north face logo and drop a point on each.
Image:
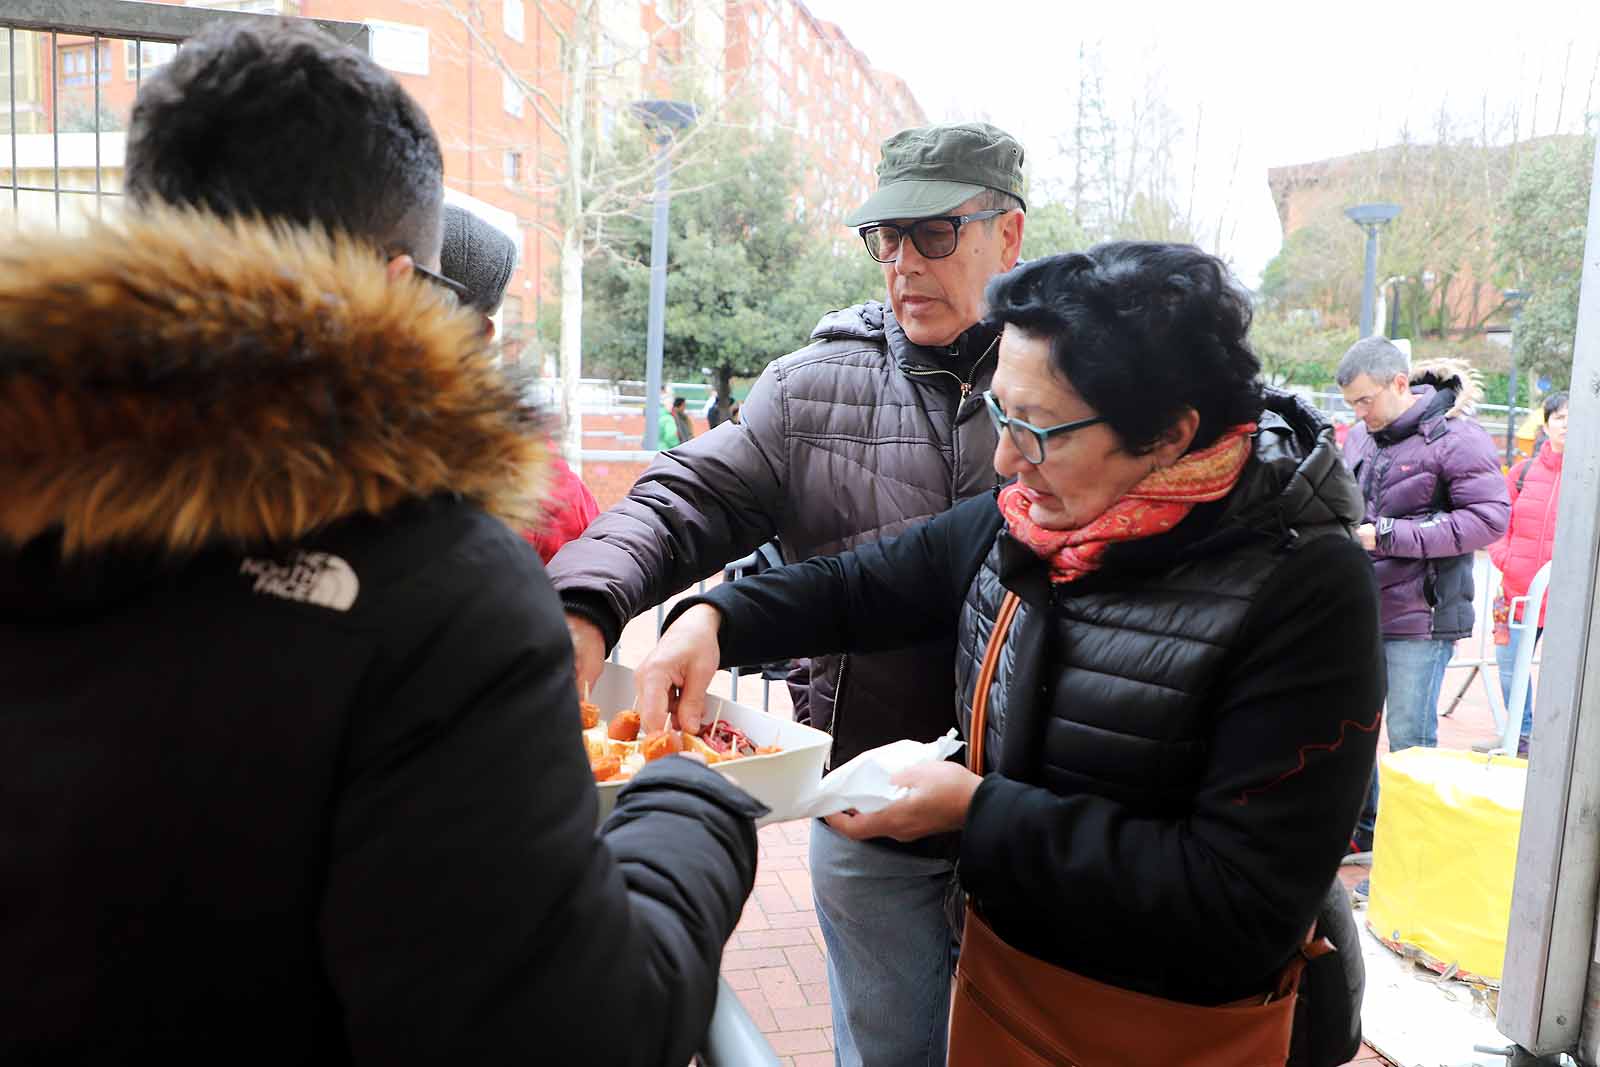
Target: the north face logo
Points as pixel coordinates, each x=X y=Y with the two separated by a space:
x=308 y=577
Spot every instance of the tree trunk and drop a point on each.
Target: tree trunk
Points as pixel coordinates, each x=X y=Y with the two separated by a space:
x=571 y=346
x=574 y=121
x=725 y=388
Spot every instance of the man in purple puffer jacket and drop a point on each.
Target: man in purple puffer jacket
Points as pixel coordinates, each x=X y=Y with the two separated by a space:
x=1434 y=496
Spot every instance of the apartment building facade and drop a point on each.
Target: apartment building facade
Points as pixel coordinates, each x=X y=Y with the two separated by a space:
x=490 y=75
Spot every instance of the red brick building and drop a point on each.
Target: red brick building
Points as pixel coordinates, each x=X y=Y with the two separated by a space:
x=791 y=70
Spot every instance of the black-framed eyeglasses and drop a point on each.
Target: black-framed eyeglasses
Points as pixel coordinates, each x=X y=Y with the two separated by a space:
x=462 y=294
x=934 y=238
x=1028 y=438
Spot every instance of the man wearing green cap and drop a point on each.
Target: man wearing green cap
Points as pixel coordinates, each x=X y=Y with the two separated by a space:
x=874 y=426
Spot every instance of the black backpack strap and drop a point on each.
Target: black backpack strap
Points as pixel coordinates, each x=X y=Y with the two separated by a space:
x=1522 y=475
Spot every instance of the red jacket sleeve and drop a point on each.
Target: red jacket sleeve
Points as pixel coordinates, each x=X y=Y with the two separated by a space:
x=568 y=511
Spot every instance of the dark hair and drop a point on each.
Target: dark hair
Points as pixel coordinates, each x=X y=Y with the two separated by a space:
x=1142 y=330
x=678 y=402
x=1554 y=403
x=284 y=122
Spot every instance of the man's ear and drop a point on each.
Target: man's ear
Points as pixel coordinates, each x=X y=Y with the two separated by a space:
x=400 y=267
x=1011 y=227
x=488 y=328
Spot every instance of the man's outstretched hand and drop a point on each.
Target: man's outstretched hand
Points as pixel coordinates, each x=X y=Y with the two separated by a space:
x=672 y=679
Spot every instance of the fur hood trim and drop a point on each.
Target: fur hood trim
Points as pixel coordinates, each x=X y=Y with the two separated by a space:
x=176 y=381
x=1455 y=374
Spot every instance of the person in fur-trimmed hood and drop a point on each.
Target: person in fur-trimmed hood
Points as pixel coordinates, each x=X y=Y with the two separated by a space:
x=292 y=768
x=1434 y=496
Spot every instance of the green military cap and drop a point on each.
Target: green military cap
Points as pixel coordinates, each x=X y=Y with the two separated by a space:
x=932 y=170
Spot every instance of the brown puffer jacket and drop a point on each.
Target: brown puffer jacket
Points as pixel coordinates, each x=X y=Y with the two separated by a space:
x=855 y=437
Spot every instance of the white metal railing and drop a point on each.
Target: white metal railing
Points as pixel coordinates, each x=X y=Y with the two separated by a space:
x=603 y=396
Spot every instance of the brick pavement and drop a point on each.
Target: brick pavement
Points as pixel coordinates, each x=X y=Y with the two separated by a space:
x=775 y=960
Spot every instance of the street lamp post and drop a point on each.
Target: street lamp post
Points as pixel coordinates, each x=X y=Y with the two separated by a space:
x=664 y=118
x=1514 y=297
x=1369 y=217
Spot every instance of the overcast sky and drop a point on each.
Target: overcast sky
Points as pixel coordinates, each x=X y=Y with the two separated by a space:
x=1278 y=82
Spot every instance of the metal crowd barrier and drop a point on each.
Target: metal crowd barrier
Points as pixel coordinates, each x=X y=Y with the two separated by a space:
x=734 y=1040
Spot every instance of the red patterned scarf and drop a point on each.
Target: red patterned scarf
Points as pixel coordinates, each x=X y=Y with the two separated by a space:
x=1154 y=506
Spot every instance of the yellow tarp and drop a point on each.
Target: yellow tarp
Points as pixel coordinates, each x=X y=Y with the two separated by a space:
x=1446 y=854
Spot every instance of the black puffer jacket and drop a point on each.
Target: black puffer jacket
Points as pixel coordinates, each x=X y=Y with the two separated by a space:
x=855 y=437
x=1167 y=805
x=290 y=769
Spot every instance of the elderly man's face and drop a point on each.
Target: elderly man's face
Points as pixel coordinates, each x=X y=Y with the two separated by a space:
x=936 y=300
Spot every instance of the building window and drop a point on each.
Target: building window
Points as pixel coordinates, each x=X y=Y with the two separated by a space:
x=510 y=95
x=400 y=48
x=511 y=18
x=76 y=64
x=802 y=82
x=147 y=54
x=511 y=165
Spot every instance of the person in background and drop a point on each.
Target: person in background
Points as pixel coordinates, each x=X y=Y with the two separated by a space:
x=713 y=411
x=681 y=420
x=873 y=426
x=667 y=427
x=292 y=761
x=481 y=258
x=1434 y=496
x=1534 y=486
x=733 y=413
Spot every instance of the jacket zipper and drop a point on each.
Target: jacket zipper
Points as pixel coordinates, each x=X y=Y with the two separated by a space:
x=838 y=703
x=1544 y=528
x=955 y=420
x=955 y=482
x=965 y=383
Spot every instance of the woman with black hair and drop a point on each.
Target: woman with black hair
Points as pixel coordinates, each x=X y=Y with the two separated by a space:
x=1172 y=638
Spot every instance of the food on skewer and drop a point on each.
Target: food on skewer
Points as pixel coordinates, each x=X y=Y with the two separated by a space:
x=661 y=744
x=624 y=726
x=590 y=713
x=617 y=752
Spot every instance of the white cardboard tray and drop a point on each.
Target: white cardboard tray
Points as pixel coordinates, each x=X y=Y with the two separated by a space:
x=779 y=780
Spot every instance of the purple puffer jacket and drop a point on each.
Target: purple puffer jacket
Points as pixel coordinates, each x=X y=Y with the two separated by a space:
x=1434 y=490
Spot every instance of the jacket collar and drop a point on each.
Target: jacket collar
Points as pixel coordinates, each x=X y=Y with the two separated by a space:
x=1430 y=404
x=176 y=382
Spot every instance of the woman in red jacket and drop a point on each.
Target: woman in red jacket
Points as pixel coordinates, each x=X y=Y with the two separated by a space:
x=1535 y=488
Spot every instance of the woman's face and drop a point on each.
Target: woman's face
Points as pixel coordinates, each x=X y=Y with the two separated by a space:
x=1555 y=428
x=1084 y=471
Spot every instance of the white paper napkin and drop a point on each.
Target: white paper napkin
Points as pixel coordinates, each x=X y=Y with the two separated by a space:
x=863 y=783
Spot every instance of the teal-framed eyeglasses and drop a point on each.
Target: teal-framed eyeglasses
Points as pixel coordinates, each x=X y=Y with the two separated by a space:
x=1028 y=438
